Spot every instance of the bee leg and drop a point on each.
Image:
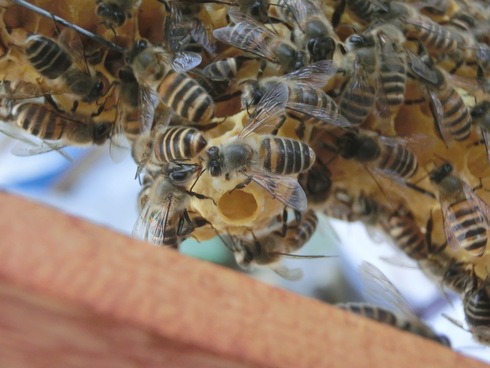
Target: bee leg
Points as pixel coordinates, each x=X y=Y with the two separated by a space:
x=300 y=129
x=456 y=66
x=74 y=106
x=284 y=222
x=279 y=126
x=414 y=102
x=198 y=195
x=337 y=14
x=49 y=99
x=228 y=96
x=242 y=184
x=263 y=65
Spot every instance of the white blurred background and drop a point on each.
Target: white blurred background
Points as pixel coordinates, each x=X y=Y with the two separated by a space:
x=93 y=187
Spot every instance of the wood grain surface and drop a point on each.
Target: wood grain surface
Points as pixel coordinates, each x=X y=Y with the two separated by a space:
x=74 y=294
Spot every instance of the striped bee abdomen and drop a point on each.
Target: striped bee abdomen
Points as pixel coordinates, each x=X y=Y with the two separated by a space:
x=186 y=97
x=285 y=156
x=178 y=143
x=47 y=57
x=467 y=225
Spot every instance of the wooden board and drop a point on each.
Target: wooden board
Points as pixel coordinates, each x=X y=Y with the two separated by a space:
x=73 y=294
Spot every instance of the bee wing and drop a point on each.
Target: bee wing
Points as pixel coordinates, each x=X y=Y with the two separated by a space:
x=483 y=207
x=421 y=69
x=256 y=45
x=378 y=4
x=359 y=82
x=151 y=223
x=486 y=137
x=381 y=291
x=291 y=274
x=316 y=74
x=71 y=43
x=438 y=112
x=268 y=111
x=148 y=102
x=300 y=11
x=185 y=61
x=204 y=35
x=447 y=213
x=285 y=189
x=24 y=148
x=20 y=90
x=331 y=117
x=237 y=16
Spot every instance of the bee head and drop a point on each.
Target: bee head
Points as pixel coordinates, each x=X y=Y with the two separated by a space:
x=138 y=47
x=321 y=48
x=215 y=162
x=96 y=91
x=357 y=41
x=101 y=132
x=181 y=173
x=112 y=15
x=252 y=93
x=258 y=10
x=481 y=114
x=441 y=172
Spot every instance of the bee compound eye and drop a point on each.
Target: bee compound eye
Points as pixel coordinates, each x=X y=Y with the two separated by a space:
x=101 y=132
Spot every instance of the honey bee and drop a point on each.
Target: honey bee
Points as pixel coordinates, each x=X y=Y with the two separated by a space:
x=392 y=71
x=476 y=304
x=389 y=306
x=482 y=58
x=127 y=106
x=316 y=182
x=185 y=27
x=358 y=96
x=313 y=30
x=161 y=77
x=452 y=116
x=480 y=115
x=55 y=129
x=251 y=36
x=268 y=250
x=64 y=60
x=266 y=161
x=345 y=206
x=114 y=13
x=379 y=76
x=307 y=103
x=387 y=156
x=437 y=39
x=168 y=144
x=405 y=233
x=164 y=199
x=399 y=319
x=364 y=10
x=465 y=214
x=217 y=76
x=436 y=7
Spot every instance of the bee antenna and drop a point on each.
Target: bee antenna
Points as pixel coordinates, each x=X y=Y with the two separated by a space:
x=64 y=22
x=440 y=158
x=455 y=322
x=198 y=176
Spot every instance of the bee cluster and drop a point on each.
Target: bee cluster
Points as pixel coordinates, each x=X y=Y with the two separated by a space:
x=245 y=118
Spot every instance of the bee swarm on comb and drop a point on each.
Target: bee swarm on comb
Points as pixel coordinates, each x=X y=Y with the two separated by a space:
x=240 y=113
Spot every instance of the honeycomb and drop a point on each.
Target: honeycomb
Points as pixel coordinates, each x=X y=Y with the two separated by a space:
x=328 y=47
